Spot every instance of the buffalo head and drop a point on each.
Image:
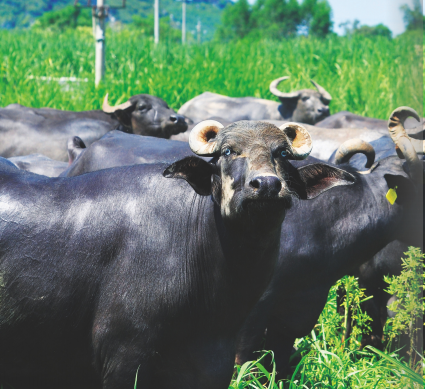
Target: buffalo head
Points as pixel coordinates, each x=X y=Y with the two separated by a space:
x=250 y=176
x=147 y=115
x=305 y=106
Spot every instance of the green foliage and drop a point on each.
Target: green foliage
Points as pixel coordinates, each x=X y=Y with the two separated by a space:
x=353 y=318
x=317 y=17
x=413 y=17
x=235 y=21
x=368 y=77
x=253 y=374
x=167 y=33
x=327 y=360
x=61 y=19
x=366 y=31
x=409 y=304
x=275 y=19
x=22 y=13
x=370 y=31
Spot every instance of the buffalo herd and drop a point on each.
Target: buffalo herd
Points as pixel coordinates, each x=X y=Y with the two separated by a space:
x=141 y=243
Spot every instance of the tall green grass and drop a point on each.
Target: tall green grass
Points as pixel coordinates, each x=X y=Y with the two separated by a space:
x=367 y=76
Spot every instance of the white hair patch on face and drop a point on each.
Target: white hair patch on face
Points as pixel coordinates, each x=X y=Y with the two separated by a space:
x=227 y=193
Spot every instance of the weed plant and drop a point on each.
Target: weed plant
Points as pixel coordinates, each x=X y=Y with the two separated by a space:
x=366 y=76
x=326 y=359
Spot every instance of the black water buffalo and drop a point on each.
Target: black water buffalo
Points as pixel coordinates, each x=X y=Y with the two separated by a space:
x=40 y=164
x=359 y=223
x=304 y=106
x=45 y=131
x=311 y=249
x=326 y=141
x=345 y=119
x=117 y=148
x=146 y=115
x=147 y=268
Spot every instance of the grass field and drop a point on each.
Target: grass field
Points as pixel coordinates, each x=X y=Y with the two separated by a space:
x=365 y=76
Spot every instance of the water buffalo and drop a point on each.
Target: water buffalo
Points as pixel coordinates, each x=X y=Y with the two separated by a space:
x=120 y=149
x=310 y=248
x=345 y=119
x=40 y=164
x=146 y=268
x=45 y=131
x=304 y=106
x=117 y=149
x=359 y=223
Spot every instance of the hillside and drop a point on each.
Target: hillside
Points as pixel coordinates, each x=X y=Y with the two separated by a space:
x=23 y=13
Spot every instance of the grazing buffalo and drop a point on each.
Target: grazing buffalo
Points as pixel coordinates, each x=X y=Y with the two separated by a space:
x=337 y=232
x=304 y=106
x=146 y=268
x=37 y=163
x=45 y=131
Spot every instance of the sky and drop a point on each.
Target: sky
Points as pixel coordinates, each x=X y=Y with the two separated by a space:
x=370 y=12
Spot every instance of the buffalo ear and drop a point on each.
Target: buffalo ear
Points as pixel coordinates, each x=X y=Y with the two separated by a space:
x=124 y=115
x=75 y=147
x=195 y=171
x=317 y=178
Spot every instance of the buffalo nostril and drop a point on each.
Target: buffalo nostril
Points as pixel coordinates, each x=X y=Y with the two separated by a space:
x=266 y=185
x=255 y=184
x=174 y=118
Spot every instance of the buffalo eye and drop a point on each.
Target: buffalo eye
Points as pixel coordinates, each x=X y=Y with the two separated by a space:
x=227 y=151
x=143 y=108
x=305 y=98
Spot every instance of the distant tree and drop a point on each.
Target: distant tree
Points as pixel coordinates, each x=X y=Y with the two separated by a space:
x=354 y=28
x=378 y=30
x=235 y=21
x=276 y=18
x=316 y=16
x=413 y=18
x=67 y=17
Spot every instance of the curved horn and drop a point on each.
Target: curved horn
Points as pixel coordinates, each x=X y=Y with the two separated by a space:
x=108 y=109
x=300 y=139
x=352 y=147
x=324 y=93
x=201 y=138
x=406 y=145
x=278 y=93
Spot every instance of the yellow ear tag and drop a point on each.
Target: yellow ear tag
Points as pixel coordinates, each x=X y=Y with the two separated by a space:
x=391 y=196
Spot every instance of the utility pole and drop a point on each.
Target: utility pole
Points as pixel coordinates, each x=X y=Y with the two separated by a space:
x=184 y=22
x=99 y=36
x=198 y=30
x=100 y=12
x=156 y=22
